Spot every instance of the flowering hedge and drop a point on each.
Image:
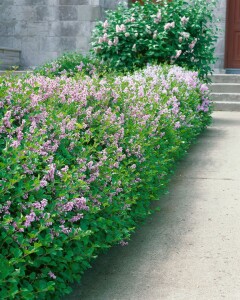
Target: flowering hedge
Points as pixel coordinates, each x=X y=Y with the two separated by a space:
x=80 y=161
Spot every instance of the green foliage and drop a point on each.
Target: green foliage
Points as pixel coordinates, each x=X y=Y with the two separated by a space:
x=69 y=64
x=176 y=32
x=80 y=162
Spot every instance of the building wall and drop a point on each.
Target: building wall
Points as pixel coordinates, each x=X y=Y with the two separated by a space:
x=220 y=13
x=44 y=29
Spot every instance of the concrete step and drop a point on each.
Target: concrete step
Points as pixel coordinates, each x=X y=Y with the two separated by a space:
x=225 y=97
x=225 y=87
x=225 y=78
x=226 y=106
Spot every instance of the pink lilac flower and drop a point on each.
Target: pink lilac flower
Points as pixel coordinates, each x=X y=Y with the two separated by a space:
x=105 y=24
x=40 y=205
x=50 y=175
x=6 y=119
x=15 y=144
x=184 y=20
x=115 y=41
x=43 y=183
x=155 y=34
x=185 y=35
x=123 y=243
x=105 y=37
x=52 y=275
x=80 y=67
x=76 y=218
x=121 y=28
x=29 y=219
x=178 y=53
x=68 y=206
x=65 y=169
x=169 y=25
x=177 y=125
x=27 y=170
x=100 y=40
x=80 y=203
x=204 y=88
x=65 y=230
x=193 y=43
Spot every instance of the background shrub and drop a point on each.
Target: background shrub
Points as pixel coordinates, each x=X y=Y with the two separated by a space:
x=80 y=161
x=177 y=32
x=69 y=64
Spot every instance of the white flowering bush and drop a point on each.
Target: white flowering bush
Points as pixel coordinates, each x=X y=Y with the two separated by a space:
x=176 y=32
x=80 y=161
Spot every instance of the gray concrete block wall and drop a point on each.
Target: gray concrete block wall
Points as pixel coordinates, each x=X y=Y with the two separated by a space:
x=44 y=29
x=220 y=14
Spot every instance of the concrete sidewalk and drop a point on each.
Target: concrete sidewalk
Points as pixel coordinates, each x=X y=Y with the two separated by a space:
x=190 y=250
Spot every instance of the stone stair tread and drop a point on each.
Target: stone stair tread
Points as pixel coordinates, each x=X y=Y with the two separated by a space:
x=225 y=97
x=225 y=75
x=224 y=83
x=235 y=94
x=225 y=78
x=226 y=106
x=227 y=102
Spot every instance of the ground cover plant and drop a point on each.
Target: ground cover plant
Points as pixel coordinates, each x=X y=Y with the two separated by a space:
x=80 y=161
x=179 y=32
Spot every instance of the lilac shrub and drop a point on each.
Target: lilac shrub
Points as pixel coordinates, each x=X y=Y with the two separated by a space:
x=179 y=32
x=80 y=160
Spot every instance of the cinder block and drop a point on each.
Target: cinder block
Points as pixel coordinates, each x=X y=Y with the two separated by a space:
x=6 y=28
x=17 y=42
x=31 y=2
x=22 y=13
x=37 y=29
x=6 y=41
x=46 y=57
x=34 y=2
x=6 y=2
x=46 y=13
x=68 y=44
x=89 y=13
x=21 y=28
x=83 y=43
x=70 y=28
x=49 y=44
x=68 y=13
x=6 y=13
x=73 y=2
x=86 y=29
